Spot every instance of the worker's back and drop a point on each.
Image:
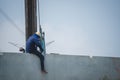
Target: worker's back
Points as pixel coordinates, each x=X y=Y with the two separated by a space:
x=30 y=44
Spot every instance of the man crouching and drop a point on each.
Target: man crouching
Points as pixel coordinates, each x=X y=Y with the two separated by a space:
x=31 y=47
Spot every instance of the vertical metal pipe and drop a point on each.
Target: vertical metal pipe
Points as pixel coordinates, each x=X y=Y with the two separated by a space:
x=44 y=43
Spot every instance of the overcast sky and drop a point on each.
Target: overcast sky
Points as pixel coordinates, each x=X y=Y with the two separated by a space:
x=78 y=27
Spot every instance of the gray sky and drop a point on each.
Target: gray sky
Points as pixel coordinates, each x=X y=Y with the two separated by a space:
x=79 y=27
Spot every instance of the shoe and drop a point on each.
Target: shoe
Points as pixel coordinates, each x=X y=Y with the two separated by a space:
x=44 y=71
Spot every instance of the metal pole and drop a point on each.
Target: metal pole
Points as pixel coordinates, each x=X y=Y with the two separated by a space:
x=44 y=43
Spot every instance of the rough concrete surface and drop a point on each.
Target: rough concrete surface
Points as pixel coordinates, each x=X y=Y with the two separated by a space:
x=20 y=66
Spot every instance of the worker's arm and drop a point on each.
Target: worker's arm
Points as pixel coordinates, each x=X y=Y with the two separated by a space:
x=39 y=44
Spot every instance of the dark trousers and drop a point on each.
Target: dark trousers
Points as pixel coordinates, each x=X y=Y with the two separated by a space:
x=41 y=59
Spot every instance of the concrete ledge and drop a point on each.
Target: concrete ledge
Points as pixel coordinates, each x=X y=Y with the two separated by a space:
x=20 y=66
x=1 y=53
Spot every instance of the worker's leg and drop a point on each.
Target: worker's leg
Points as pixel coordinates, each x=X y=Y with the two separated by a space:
x=41 y=59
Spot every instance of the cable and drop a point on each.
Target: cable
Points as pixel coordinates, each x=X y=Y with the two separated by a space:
x=11 y=21
x=47 y=44
x=39 y=17
x=38 y=12
x=40 y=29
x=13 y=44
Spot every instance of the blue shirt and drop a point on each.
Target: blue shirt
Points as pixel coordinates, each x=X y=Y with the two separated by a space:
x=32 y=43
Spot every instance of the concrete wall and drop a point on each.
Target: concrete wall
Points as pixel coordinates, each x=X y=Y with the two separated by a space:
x=18 y=66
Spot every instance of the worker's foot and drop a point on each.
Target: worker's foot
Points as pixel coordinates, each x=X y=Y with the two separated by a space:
x=44 y=71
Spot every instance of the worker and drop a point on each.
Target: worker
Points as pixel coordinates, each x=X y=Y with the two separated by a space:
x=31 y=47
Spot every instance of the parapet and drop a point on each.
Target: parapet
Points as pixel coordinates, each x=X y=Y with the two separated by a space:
x=25 y=66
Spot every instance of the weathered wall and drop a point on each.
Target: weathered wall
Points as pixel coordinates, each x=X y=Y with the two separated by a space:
x=18 y=66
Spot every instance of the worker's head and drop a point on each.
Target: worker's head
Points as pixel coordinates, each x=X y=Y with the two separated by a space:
x=38 y=33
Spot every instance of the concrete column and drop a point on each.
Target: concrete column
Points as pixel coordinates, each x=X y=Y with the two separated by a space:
x=30 y=17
